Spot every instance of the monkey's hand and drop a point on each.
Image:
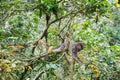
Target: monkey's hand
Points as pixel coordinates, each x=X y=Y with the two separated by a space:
x=50 y=50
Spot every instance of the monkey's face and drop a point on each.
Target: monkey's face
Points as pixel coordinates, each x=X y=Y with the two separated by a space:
x=79 y=47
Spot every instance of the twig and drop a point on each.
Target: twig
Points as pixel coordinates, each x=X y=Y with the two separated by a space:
x=58 y=59
x=38 y=74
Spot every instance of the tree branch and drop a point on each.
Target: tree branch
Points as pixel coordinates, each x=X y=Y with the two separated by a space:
x=38 y=74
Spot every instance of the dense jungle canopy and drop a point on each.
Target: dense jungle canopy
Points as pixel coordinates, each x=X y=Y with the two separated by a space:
x=39 y=39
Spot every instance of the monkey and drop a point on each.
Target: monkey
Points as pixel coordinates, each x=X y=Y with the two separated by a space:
x=76 y=47
x=57 y=49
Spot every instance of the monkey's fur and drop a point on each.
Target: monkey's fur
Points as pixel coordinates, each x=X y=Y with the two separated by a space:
x=76 y=47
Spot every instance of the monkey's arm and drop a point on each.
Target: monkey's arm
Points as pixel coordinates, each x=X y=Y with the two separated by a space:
x=58 y=49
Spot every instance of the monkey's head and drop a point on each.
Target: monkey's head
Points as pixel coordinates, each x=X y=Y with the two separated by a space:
x=79 y=46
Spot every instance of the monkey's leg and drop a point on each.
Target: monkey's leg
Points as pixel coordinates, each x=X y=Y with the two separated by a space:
x=76 y=58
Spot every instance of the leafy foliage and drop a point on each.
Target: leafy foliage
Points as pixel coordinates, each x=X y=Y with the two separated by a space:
x=93 y=22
